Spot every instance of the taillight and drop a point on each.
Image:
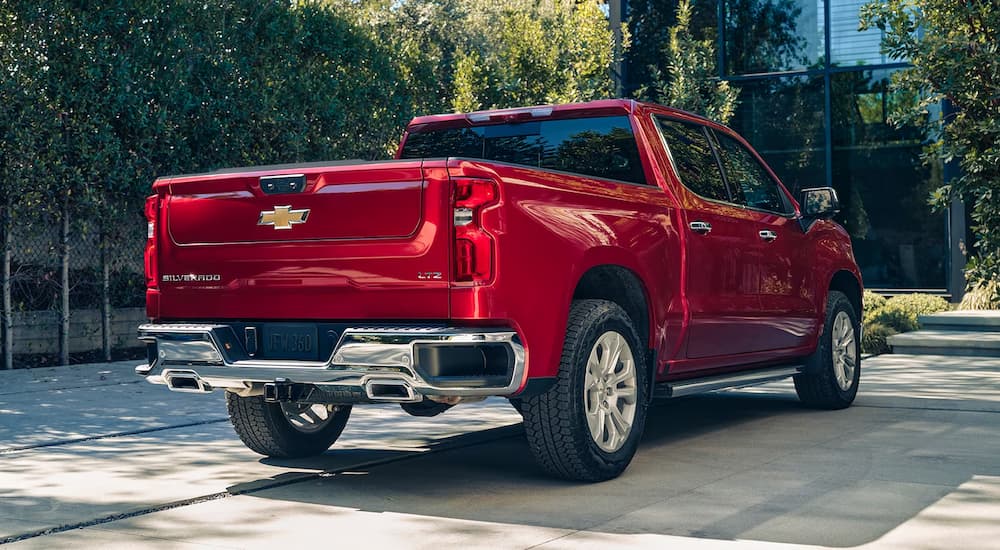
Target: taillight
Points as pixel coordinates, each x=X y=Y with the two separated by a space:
x=152 y=271
x=473 y=245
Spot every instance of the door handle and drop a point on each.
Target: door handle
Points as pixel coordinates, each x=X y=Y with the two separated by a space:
x=701 y=228
x=767 y=235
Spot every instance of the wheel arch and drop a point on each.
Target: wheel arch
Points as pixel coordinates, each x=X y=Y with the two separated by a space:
x=623 y=286
x=846 y=282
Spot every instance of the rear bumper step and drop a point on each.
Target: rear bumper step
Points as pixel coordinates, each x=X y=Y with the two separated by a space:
x=377 y=364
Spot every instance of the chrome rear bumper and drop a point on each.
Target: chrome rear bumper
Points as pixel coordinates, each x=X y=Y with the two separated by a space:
x=380 y=363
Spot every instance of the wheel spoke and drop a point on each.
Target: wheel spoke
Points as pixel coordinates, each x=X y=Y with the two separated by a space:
x=596 y=423
x=628 y=395
x=621 y=425
x=625 y=374
x=848 y=341
x=312 y=416
x=616 y=353
x=612 y=430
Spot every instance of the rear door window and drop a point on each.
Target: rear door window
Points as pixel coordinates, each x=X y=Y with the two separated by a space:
x=693 y=158
x=598 y=146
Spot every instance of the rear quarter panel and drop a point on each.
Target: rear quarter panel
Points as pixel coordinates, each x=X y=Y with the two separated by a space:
x=550 y=228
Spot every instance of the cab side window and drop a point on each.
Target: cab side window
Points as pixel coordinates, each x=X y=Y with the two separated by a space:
x=693 y=158
x=751 y=183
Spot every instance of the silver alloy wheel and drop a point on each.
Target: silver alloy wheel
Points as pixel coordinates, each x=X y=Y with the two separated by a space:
x=845 y=352
x=306 y=418
x=610 y=391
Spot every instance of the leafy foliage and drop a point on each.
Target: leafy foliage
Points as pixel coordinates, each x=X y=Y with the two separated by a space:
x=956 y=57
x=901 y=313
x=875 y=338
x=872 y=301
x=690 y=79
x=983 y=295
x=465 y=55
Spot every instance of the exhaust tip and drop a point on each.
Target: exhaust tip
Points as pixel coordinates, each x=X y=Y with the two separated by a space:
x=390 y=390
x=186 y=382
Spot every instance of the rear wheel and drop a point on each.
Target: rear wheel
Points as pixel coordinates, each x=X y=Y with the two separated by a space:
x=831 y=375
x=588 y=424
x=286 y=430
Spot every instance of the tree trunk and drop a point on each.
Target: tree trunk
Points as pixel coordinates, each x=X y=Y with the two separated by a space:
x=64 y=280
x=8 y=303
x=105 y=299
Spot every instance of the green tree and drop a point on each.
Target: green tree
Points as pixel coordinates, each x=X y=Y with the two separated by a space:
x=690 y=79
x=98 y=98
x=955 y=57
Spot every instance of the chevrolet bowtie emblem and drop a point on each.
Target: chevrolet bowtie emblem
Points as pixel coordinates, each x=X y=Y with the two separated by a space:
x=283 y=217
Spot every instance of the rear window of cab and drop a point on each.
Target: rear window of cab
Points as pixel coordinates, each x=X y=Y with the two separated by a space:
x=604 y=147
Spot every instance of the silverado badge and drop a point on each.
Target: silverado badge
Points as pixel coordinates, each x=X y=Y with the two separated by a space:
x=283 y=217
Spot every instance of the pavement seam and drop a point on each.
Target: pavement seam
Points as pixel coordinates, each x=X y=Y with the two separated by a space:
x=62 y=442
x=64 y=388
x=488 y=436
x=591 y=528
x=935 y=409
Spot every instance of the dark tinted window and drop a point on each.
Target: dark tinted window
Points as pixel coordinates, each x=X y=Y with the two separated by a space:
x=693 y=158
x=603 y=147
x=750 y=181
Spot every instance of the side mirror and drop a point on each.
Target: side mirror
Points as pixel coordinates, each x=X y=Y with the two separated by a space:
x=820 y=203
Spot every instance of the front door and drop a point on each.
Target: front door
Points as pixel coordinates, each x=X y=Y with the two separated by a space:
x=786 y=286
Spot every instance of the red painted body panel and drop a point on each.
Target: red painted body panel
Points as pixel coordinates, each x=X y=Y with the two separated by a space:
x=370 y=230
x=716 y=302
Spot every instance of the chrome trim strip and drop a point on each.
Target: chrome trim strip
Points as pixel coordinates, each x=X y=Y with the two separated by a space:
x=736 y=380
x=361 y=353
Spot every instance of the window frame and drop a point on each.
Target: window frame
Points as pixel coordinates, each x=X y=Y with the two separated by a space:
x=706 y=132
x=783 y=193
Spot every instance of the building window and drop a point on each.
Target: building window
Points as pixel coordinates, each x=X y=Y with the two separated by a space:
x=899 y=241
x=765 y=36
x=847 y=45
x=783 y=119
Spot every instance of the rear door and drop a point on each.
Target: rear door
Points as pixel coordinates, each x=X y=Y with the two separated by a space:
x=781 y=247
x=722 y=277
x=350 y=241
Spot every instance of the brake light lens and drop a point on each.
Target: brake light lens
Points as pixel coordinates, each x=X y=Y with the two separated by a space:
x=150 y=262
x=473 y=245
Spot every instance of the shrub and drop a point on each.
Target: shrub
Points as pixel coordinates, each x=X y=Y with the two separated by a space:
x=985 y=295
x=872 y=302
x=874 y=340
x=901 y=312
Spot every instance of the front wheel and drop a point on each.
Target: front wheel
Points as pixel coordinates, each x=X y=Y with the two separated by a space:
x=587 y=426
x=831 y=375
x=286 y=430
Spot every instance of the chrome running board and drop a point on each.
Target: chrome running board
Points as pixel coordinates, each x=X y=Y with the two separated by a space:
x=742 y=379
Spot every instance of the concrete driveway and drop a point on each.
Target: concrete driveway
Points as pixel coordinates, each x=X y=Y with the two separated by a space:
x=90 y=456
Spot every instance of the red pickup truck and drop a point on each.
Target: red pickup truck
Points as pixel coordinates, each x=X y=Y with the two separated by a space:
x=579 y=260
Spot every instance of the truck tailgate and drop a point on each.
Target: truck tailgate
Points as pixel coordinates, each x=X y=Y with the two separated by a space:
x=358 y=241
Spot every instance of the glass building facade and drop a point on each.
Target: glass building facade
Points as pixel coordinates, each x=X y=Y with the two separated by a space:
x=815 y=101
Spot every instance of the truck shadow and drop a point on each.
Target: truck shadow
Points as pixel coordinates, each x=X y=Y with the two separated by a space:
x=734 y=465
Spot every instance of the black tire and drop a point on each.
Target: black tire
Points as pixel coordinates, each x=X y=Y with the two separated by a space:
x=516 y=403
x=556 y=421
x=265 y=429
x=817 y=385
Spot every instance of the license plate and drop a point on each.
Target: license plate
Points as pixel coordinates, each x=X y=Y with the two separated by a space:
x=291 y=342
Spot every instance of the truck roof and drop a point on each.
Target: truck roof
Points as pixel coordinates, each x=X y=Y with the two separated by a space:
x=543 y=111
